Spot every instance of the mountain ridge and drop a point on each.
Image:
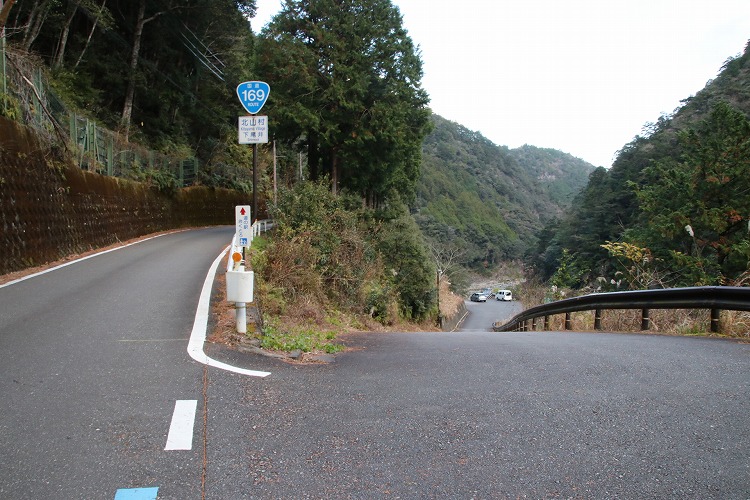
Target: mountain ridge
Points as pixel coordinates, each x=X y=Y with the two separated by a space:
x=487 y=199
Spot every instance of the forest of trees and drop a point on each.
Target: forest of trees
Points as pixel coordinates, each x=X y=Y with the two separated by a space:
x=345 y=79
x=160 y=72
x=487 y=203
x=346 y=95
x=674 y=209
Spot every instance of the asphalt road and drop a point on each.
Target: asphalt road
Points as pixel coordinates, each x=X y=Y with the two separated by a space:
x=93 y=359
x=511 y=415
x=483 y=314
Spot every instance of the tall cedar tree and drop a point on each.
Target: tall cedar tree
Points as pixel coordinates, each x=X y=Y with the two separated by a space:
x=346 y=85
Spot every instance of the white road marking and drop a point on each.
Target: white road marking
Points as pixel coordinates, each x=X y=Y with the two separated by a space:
x=200 y=325
x=181 y=429
x=83 y=258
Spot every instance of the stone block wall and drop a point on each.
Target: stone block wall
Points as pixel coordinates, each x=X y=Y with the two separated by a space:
x=51 y=209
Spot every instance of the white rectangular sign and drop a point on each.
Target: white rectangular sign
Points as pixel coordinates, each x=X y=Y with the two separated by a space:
x=253 y=129
x=244 y=229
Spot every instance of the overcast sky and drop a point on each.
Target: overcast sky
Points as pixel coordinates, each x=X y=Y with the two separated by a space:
x=581 y=76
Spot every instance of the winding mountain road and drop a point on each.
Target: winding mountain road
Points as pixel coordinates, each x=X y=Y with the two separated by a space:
x=101 y=399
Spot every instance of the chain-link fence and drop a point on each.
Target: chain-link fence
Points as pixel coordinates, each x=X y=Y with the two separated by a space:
x=27 y=98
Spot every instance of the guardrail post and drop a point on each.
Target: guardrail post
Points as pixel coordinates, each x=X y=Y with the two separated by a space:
x=715 y=320
x=546 y=323
x=533 y=324
x=568 y=323
x=645 y=321
x=598 y=319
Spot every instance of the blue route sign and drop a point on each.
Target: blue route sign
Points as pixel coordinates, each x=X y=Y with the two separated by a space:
x=253 y=95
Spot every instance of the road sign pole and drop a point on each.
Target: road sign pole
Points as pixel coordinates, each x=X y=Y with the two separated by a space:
x=254 y=129
x=255 y=182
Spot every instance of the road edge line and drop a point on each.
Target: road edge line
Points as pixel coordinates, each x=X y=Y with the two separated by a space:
x=200 y=326
x=81 y=259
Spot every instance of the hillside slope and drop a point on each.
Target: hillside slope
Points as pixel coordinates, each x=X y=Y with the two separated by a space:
x=486 y=200
x=608 y=208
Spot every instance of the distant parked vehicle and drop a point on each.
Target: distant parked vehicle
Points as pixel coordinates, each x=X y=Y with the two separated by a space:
x=478 y=297
x=506 y=295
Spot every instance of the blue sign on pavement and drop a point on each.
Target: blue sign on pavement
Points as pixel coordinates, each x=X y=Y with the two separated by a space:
x=253 y=95
x=136 y=493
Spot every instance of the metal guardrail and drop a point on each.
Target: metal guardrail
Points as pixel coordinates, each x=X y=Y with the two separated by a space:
x=261 y=226
x=715 y=298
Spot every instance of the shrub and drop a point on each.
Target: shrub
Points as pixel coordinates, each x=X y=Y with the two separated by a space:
x=327 y=247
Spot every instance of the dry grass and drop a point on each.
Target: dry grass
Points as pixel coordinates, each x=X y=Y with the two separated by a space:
x=450 y=303
x=292 y=319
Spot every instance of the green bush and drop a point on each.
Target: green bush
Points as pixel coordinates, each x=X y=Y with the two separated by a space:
x=408 y=265
x=303 y=338
x=362 y=261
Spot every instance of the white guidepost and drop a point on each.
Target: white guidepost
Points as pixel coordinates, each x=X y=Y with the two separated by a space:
x=200 y=325
x=240 y=281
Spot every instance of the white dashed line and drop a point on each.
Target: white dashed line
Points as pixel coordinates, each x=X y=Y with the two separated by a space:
x=181 y=429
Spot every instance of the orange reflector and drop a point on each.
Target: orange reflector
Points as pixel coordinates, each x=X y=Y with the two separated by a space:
x=236 y=256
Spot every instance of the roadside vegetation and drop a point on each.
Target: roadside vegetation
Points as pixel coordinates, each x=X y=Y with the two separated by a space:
x=380 y=202
x=331 y=266
x=674 y=208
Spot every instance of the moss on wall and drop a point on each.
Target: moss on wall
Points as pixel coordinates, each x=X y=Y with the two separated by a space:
x=50 y=208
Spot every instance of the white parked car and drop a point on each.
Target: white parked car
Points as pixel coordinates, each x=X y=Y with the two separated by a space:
x=504 y=295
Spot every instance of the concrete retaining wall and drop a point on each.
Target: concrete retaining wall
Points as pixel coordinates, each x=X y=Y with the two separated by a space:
x=450 y=324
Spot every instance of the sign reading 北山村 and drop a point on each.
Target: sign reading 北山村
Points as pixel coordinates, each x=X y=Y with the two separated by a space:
x=253 y=129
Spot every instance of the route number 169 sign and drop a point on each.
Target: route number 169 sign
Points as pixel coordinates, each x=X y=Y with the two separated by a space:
x=253 y=95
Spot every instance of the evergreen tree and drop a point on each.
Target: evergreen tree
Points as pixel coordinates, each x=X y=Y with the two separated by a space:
x=346 y=84
x=169 y=66
x=697 y=210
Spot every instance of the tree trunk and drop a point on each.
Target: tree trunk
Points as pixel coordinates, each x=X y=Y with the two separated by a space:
x=127 y=108
x=60 y=55
x=91 y=34
x=335 y=173
x=313 y=156
x=36 y=19
x=5 y=11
